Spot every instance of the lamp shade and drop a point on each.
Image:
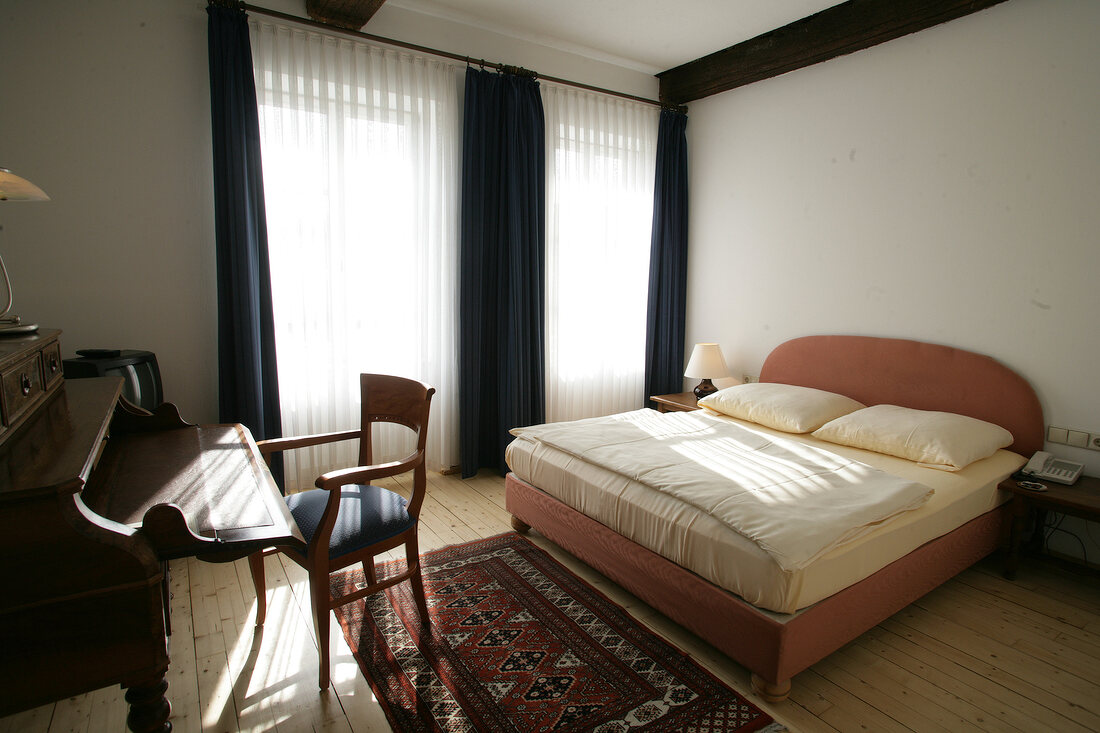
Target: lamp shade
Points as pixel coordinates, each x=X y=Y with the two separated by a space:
x=14 y=188
x=706 y=362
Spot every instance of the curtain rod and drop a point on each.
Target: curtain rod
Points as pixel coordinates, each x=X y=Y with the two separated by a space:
x=446 y=54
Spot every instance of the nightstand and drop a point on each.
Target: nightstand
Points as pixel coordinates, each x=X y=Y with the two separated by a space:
x=1082 y=499
x=681 y=402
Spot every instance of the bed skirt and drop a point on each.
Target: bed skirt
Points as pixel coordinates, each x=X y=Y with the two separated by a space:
x=774 y=647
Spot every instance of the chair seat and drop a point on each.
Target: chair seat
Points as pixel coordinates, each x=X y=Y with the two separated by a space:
x=368 y=515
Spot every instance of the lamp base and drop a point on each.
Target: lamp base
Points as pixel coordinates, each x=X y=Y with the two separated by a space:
x=17 y=329
x=704 y=388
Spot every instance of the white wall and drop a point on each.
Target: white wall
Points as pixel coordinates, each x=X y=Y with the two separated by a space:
x=106 y=106
x=944 y=186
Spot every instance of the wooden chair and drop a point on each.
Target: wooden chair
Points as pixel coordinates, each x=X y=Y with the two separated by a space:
x=345 y=520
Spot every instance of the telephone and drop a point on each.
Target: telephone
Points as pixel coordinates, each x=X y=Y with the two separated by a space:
x=1045 y=466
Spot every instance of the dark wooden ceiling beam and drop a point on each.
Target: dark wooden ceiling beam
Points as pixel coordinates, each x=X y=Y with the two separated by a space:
x=841 y=29
x=348 y=14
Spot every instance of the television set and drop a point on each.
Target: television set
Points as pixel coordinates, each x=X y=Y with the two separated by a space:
x=140 y=373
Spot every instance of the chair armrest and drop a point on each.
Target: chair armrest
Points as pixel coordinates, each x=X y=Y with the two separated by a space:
x=274 y=445
x=365 y=474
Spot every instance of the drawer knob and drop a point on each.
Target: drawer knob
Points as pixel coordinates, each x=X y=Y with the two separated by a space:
x=25 y=383
x=53 y=364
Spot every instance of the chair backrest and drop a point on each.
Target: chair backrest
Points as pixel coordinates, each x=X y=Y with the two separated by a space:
x=387 y=398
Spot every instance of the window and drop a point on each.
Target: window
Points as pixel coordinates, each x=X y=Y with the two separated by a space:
x=360 y=149
x=601 y=155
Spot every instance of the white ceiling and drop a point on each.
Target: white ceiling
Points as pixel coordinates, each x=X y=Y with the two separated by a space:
x=645 y=35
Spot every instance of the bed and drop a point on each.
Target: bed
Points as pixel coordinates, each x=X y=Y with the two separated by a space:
x=797 y=614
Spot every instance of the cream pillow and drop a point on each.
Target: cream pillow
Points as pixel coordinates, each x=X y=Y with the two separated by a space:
x=781 y=406
x=941 y=440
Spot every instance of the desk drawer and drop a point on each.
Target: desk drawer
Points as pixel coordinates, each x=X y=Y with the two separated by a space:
x=51 y=365
x=22 y=387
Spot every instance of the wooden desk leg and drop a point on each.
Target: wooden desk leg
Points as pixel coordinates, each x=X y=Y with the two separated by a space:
x=1019 y=516
x=149 y=708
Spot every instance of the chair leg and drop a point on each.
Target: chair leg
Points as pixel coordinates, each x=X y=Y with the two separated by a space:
x=412 y=557
x=319 y=594
x=368 y=571
x=256 y=565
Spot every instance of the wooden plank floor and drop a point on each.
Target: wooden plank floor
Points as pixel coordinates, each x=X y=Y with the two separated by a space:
x=979 y=653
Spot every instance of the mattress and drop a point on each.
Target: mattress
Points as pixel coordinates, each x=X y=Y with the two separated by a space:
x=702 y=544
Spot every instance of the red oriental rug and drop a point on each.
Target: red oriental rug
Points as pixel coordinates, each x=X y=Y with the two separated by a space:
x=519 y=643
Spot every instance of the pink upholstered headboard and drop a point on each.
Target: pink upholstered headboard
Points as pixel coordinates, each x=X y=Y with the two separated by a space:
x=913 y=374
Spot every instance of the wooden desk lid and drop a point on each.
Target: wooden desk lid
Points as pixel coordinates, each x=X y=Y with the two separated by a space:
x=53 y=451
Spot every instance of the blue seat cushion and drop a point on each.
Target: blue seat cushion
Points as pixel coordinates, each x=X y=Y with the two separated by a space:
x=368 y=514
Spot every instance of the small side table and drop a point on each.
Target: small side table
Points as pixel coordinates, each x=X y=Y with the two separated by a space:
x=680 y=402
x=1082 y=499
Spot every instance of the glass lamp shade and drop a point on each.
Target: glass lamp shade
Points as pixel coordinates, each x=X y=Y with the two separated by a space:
x=14 y=188
x=707 y=363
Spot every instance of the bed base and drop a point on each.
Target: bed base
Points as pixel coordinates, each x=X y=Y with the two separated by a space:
x=773 y=650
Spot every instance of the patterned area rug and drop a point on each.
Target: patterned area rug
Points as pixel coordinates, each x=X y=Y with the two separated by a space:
x=519 y=643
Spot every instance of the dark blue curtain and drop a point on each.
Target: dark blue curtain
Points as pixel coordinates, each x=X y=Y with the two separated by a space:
x=248 y=386
x=503 y=240
x=664 y=344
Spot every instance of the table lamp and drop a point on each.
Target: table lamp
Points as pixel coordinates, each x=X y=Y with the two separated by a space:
x=707 y=363
x=14 y=188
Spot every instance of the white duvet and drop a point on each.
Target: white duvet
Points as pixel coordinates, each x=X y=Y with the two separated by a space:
x=795 y=501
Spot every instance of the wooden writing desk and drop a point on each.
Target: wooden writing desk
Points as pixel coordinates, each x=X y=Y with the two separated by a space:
x=83 y=543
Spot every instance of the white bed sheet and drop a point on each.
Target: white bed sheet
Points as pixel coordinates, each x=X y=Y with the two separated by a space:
x=707 y=547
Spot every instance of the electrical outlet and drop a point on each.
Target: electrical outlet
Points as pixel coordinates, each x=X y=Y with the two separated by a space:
x=1094 y=441
x=750 y=378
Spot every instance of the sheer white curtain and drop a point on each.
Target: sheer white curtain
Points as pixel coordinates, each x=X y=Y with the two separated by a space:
x=360 y=156
x=600 y=158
